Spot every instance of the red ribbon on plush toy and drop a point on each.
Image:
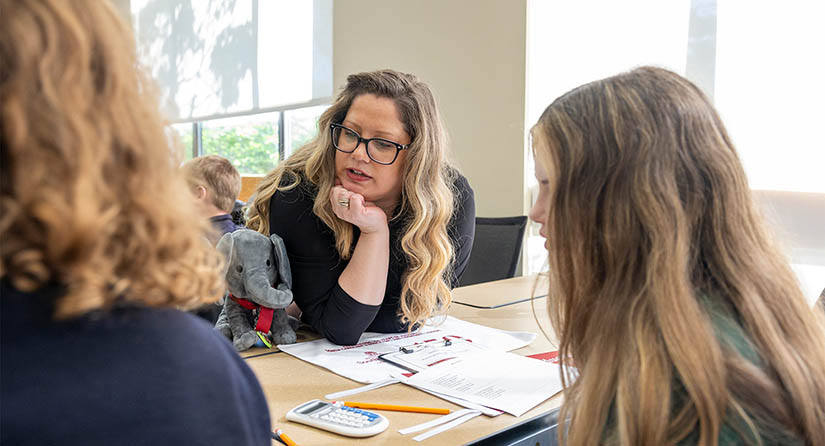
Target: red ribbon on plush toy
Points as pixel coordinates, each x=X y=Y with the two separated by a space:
x=264 y=317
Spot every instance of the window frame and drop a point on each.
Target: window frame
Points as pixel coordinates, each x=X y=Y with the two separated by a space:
x=197 y=125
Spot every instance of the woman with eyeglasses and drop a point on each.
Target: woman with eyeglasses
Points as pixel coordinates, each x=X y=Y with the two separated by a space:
x=377 y=224
x=685 y=322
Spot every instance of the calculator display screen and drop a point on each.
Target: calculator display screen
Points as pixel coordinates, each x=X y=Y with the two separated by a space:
x=309 y=408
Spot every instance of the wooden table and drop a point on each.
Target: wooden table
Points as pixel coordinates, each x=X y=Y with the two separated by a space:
x=288 y=382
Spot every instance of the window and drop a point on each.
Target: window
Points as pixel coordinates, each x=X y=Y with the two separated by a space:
x=253 y=143
x=250 y=142
x=245 y=79
x=301 y=125
x=759 y=62
x=181 y=135
x=570 y=43
x=769 y=91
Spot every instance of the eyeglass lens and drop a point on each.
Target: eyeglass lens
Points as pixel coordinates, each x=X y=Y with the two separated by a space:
x=378 y=150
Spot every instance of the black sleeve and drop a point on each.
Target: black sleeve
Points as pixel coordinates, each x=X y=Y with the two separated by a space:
x=462 y=227
x=316 y=266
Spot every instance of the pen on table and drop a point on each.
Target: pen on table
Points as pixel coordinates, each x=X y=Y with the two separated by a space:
x=280 y=435
x=396 y=408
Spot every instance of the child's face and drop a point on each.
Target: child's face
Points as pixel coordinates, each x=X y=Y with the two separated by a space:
x=539 y=211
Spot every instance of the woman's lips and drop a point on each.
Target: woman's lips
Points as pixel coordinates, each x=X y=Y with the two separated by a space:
x=357 y=175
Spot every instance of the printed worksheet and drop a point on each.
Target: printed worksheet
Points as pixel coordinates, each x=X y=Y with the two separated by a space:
x=496 y=379
x=360 y=362
x=417 y=357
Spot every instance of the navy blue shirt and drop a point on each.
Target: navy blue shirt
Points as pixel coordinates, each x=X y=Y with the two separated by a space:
x=223 y=223
x=316 y=265
x=136 y=376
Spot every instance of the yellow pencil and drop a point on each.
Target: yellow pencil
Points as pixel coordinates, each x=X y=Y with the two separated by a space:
x=396 y=408
x=284 y=438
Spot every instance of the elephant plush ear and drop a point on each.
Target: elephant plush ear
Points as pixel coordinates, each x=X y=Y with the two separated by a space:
x=279 y=250
x=225 y=246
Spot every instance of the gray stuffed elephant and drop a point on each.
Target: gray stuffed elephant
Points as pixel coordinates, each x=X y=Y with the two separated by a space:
x=259 y=282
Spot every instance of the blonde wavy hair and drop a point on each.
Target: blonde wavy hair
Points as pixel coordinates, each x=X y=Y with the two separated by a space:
x=91 y=197
x=651 y=220
x=426 y=196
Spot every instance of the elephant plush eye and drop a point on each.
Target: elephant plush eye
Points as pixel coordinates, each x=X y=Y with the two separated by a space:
x=268 y=263
x=239 y=268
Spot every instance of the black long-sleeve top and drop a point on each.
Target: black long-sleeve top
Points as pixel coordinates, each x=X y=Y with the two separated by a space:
x=316 y=265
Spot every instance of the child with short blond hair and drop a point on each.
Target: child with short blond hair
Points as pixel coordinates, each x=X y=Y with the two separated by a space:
x=215 y=184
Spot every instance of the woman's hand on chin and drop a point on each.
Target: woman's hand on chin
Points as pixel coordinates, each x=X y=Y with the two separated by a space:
x=351 y=207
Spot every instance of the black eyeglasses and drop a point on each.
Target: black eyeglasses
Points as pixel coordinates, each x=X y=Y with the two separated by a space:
x=380 y=150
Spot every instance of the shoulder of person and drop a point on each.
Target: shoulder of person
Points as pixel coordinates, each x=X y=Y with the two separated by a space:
x=460 y=185
x=180 y=335
x=304 y=192
x=462 y=191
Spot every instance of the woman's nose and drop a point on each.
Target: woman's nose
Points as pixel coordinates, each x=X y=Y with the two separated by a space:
x=360 y=152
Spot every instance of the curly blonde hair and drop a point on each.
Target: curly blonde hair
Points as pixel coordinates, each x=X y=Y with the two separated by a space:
x=92 y=199
x=426 y=195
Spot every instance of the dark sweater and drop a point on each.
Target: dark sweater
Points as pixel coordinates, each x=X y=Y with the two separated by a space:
x=132 y=376
x=224 y=223
x=316 y=265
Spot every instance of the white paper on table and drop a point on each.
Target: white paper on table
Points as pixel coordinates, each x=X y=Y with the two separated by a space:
x=432 y=423
x=431 y=354
x=501 y=380
x=466 y=417
x=360 y=362
x=462 y=402
x=357 y=390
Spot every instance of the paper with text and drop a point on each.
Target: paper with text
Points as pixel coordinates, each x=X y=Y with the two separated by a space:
x=360 y=362
x=501 y=380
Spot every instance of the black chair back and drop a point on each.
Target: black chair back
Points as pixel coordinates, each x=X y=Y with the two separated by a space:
x=496 y=249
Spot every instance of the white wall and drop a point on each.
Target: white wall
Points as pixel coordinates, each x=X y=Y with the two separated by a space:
x=472 y=54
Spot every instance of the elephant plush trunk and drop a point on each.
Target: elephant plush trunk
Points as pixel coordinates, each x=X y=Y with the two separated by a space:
x=261 y=292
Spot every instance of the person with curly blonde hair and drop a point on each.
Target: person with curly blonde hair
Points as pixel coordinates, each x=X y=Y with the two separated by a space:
x=683 y=318
x=101 y=244
x=377 y=223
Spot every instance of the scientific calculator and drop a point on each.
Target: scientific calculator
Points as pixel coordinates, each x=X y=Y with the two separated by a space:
x=340 y=419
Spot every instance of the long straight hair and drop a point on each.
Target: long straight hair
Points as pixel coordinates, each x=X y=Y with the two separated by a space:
x=426 y=191
x=651 y=223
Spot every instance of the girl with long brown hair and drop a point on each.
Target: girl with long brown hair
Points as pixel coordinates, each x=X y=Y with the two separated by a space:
x=100 y=245
x=377 y=223
x=684 y=320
